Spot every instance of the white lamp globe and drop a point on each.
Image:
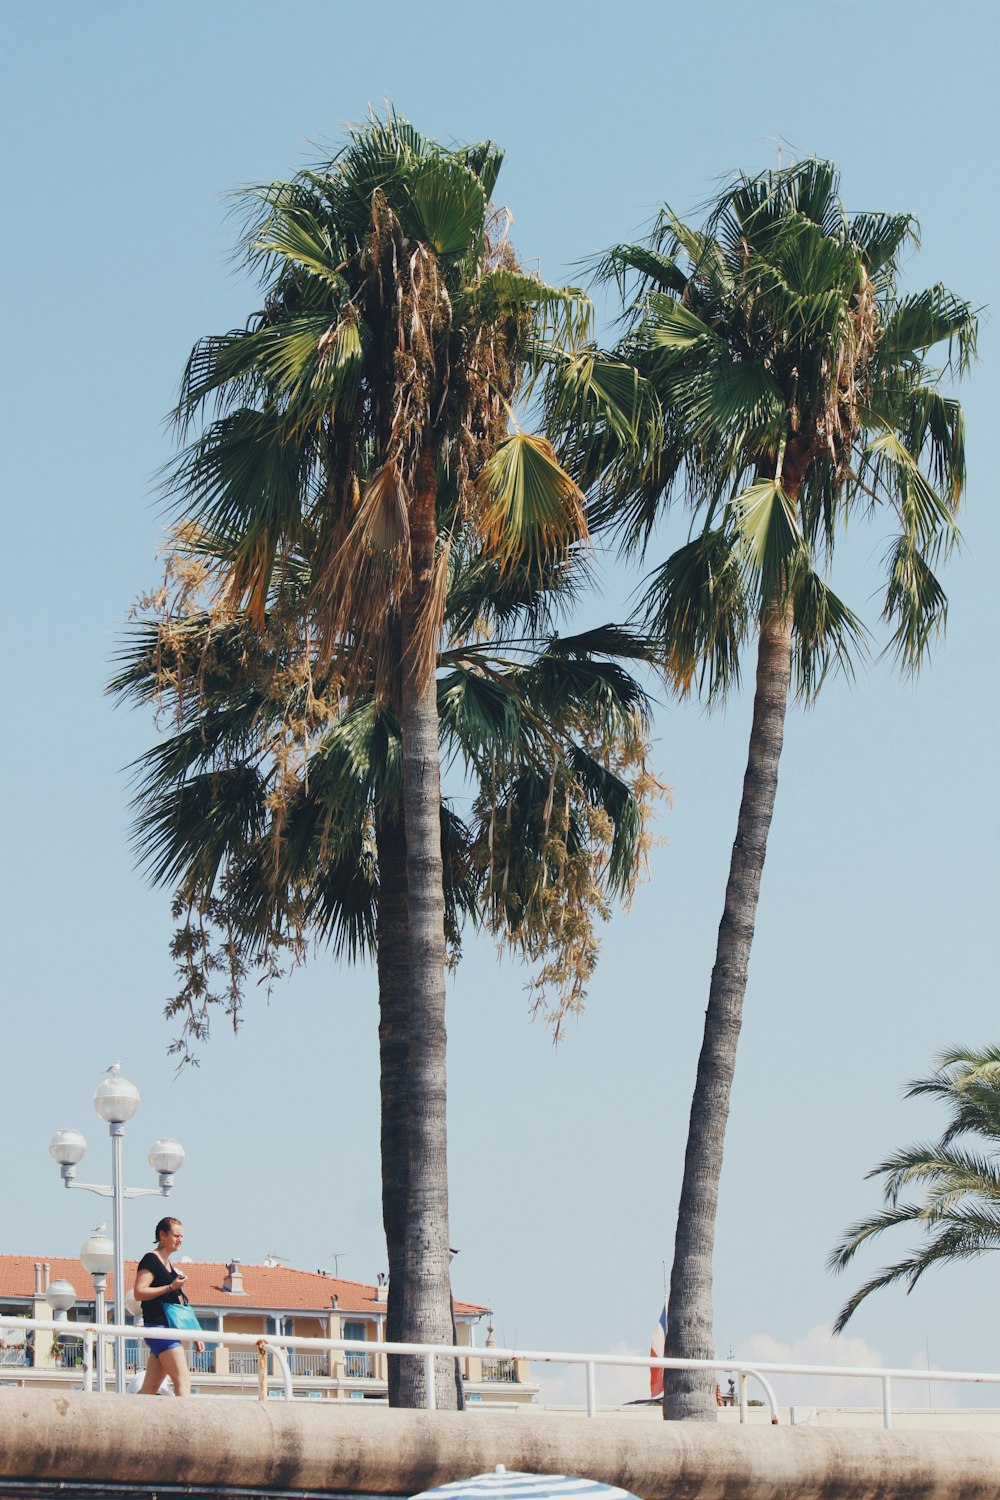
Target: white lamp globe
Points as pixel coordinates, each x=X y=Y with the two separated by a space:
x=67 y=1147
x=97 y=1254
x=166 y=1155
x=116 y=1099
x=60 y=1295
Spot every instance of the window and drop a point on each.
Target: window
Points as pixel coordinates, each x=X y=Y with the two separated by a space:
x=357 y=1366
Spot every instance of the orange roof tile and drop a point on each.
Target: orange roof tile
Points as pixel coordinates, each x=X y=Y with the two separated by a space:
x=269 y=1288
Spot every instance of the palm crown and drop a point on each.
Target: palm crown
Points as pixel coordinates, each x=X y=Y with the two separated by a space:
x=960 y=1214
x=395 y=336
x=781 y=381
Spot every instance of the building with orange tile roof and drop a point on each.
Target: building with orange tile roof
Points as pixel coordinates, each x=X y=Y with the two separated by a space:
x=262 y=1300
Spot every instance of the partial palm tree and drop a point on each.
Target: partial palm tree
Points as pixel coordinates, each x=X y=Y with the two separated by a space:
x=960 y=1212
x=363 y=416
x=276 y=812
x=773 y=376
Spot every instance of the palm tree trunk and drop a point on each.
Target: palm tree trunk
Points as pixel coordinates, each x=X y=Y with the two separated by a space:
x=690 y=1394
x=427 y=1307
x=392 y=946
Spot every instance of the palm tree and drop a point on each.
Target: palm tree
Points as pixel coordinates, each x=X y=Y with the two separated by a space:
x=551 y=729
x=960 y=1214
x=773 y=374
x=363 y=417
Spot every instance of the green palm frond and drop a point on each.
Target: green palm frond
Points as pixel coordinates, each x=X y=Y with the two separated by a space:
x=588 y=387
x=772 y=546
x=733 y=406
x=650 y=266
x=481 y=712
x=964 y=1240
x=312 y=362
x=187 y=833
x=615 y=797
x=960 y=1213
x=485 y=158
x=696 y=607
x=532 y=508
x=561 y=314
x=944 y=1170
x=827 y=635
x=927 y=519
x=968 y=1082
x=604 y=416
x=581 y=680
x=342 y=903
x=449 y=202
x=485 y=599
x=236 y=479
x=295 y=233
x=880 y=237
x=669 y=324
x=915 y=602
x=917 y=323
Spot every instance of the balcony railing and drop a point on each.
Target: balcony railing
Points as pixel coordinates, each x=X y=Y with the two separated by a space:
x=500 y=1370
x=357 y=1366
x=308 y=1361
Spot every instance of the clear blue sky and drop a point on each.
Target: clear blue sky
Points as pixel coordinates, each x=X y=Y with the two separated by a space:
x=124 y=127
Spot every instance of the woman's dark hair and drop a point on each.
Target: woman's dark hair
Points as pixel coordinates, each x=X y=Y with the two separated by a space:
x=164 y=1228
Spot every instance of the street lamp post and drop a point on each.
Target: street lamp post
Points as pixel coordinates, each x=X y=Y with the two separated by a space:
x=116 y=1101
x=60 y=1296
x=97 y=1256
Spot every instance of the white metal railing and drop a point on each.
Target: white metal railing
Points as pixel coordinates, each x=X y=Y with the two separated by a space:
x=281 y=1346
x=499 y=1371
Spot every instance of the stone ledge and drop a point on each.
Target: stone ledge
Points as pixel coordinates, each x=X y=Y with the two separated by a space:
x=201 y=1442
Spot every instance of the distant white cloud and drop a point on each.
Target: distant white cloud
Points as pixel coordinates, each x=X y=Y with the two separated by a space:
x=817 y=1347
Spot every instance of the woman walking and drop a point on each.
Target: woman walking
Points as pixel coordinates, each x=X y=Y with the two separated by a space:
x=158 y=1283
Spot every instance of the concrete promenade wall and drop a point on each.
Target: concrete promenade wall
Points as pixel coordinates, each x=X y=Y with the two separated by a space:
x=328 y=1447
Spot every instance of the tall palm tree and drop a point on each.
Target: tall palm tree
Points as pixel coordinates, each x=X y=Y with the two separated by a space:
x=960 y=1214
x=774 y=376
x=551 y=730
x=363 y=416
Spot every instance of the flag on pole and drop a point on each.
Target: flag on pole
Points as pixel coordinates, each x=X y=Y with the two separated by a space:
x=656 y=1348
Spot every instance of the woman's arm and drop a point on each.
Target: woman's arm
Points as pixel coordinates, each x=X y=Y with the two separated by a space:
x=145 y=1291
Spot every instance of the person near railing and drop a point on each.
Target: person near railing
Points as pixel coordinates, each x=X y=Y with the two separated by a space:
x=157 y=1283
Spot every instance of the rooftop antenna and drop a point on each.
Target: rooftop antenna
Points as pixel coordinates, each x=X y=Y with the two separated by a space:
x=335 y=1257
x=777 y=147
x=270 y=1259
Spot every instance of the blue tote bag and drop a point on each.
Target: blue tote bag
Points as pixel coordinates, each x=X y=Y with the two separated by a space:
x=181 y=1315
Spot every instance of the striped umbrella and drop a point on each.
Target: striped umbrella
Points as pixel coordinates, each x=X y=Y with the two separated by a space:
x=504 y=1485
